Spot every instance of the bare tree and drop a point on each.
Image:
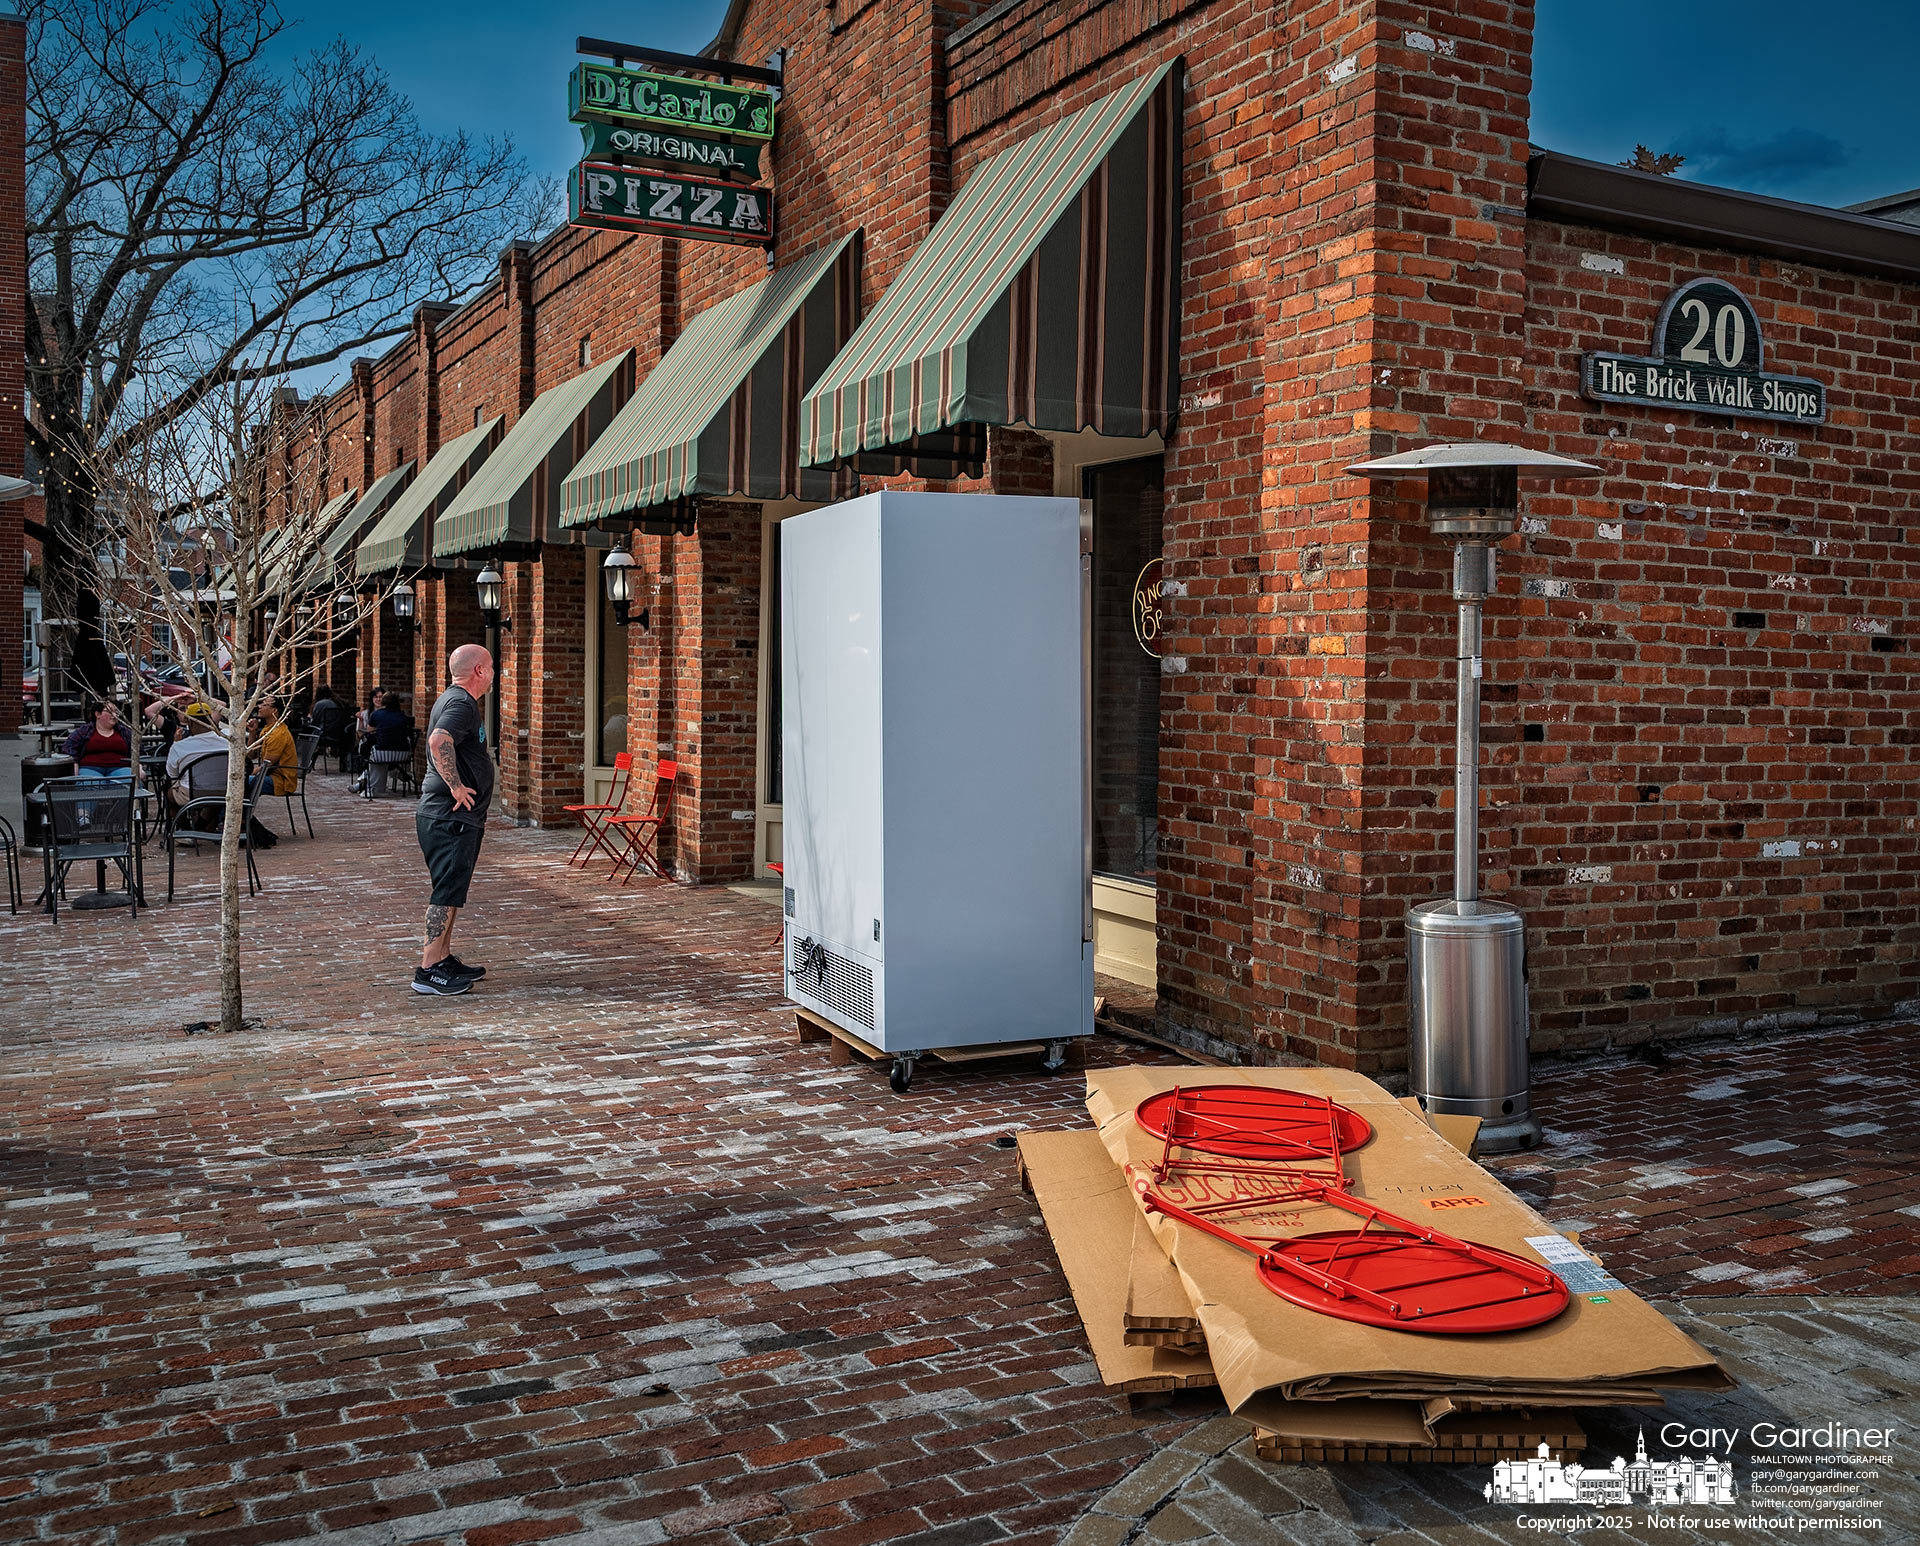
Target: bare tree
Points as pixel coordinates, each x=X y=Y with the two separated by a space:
x=189 y=181
x=231 y=489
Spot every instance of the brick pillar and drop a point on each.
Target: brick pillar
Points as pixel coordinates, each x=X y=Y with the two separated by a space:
x=426 y=353
x=516 y=283
x=13 y=361
x=1394 y=239
x=363 y=392
x=715 y=656
x=557 y=682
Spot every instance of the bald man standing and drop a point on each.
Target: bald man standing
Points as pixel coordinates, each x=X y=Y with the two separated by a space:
x=453 y=815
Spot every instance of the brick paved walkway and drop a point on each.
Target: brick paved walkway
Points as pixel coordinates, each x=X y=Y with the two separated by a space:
x=598 y=1252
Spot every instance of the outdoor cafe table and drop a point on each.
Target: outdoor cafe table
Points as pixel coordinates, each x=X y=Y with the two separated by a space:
x=100 y=896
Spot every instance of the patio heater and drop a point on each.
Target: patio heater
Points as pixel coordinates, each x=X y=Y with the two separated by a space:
x=1467 y=1021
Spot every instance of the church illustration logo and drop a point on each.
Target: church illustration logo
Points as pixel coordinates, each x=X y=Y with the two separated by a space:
x=1639 y=1480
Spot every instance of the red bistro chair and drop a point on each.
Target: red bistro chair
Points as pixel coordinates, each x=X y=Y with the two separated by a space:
x=642 y=833
x=594 y=817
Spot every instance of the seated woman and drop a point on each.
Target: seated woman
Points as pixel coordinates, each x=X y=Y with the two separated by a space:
x=100 y=745
x=392 y=742
x=276 y=748
x=328 y=719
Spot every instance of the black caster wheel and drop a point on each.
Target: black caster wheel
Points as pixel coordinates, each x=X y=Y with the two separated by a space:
x=901 y=1077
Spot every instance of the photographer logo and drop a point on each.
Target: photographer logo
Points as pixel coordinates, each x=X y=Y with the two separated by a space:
x=1639 y=1480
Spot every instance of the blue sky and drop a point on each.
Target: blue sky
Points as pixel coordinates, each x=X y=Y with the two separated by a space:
x=1757 y=94
x=1815 y=103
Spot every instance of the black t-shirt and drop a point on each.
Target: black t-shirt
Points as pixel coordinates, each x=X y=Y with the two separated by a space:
x=458 y=713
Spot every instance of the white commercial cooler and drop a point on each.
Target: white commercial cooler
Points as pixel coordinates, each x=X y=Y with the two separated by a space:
x=934 y=681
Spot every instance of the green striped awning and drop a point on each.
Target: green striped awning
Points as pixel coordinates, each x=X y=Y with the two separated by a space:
x=510 y=502
x=403 y=539
x=297 y=549
x=355 y=523
x=1045 y=295
x=719 y=413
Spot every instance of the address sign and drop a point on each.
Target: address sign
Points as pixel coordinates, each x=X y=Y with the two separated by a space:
x=619 y=198
x=1710 y=361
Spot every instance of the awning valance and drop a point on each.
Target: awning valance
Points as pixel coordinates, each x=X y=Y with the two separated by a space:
x=512 y=501
x=355 y=524
x=1046 y=295
x=719 y=413
x=403 y=539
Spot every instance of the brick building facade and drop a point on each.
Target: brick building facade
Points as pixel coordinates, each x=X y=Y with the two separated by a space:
x=1699 y=706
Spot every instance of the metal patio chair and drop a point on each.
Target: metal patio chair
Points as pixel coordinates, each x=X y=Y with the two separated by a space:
x=309 y=748
x=594 y=817
x=402 y=773
x=89 y=819
x=179 y=832
x=10 y=855
x=641 y=833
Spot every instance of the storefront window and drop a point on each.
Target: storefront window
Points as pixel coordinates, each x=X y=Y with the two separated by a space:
x=610 y=722
x=1127 y=502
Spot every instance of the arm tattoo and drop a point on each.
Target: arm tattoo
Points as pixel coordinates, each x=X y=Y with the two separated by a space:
x=440 y=749
x=436 y=922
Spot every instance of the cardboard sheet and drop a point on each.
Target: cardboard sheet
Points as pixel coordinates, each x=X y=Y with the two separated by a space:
x=1084 y=1201
x=1260 y=1344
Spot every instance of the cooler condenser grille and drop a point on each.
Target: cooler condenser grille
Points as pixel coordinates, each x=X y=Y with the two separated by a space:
x=844 y=986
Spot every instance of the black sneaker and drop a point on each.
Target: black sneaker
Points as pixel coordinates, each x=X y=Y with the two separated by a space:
x=459 y=968
x=438 y=981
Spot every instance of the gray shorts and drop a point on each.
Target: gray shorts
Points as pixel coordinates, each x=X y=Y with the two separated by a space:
x=450 y=849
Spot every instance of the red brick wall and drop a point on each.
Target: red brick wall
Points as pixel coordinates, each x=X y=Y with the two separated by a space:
x=716 y=652
x=1717 y=822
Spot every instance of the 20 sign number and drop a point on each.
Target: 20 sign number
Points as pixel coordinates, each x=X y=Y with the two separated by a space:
x=1710 y=323
x=1729 y=333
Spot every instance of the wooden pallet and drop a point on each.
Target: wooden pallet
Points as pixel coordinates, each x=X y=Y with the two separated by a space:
x=843 y=1046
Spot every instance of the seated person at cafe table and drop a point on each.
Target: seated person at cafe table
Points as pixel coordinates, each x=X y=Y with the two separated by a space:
x=203 y=739
x=277 y=748
x=100 y=746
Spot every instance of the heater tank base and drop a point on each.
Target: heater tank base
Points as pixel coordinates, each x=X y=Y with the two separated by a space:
x=1467 y=1018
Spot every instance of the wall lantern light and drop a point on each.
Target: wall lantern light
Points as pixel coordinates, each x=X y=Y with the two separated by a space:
x=345 y=610
x=1467 y=1019
x=403 y=603
x=303 y=614
x=625 y=581
x=488 y=586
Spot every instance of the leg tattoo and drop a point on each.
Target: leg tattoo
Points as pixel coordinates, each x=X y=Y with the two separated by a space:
x=436 y=922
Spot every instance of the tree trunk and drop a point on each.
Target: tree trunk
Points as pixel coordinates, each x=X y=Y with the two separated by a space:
x=231 y=1012
x=67 y=554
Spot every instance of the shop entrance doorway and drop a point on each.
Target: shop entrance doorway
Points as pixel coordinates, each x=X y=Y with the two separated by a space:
x=1128 y=500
